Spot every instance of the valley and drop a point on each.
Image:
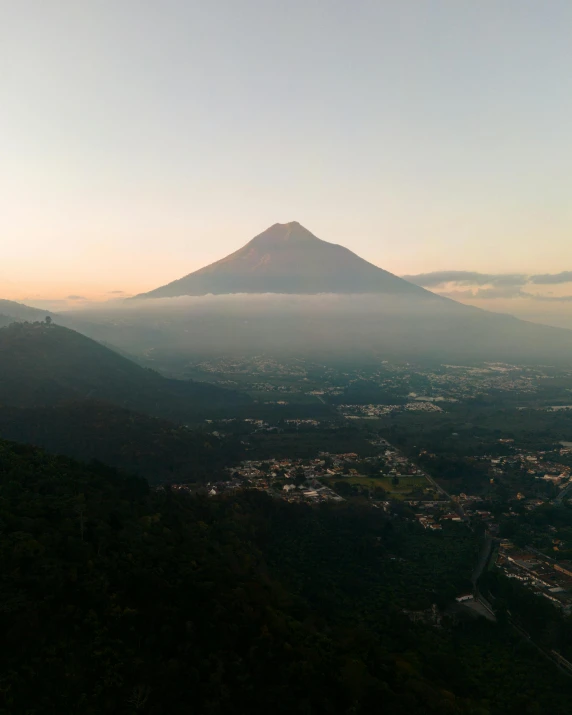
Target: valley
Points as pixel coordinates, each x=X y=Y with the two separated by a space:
x=383 y=477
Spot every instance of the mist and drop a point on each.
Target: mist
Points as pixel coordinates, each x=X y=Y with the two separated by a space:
x=168 y=332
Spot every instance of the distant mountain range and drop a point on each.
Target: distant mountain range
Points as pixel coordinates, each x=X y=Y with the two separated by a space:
x=287 y=258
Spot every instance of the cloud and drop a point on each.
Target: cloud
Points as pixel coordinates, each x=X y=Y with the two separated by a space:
x=549 y=298
x=486 y=293
x=437 y=278
x=552 y=278
x=471 y=285
x=76 y=297
x=116 y=292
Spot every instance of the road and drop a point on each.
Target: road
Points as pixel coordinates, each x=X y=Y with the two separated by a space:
x=456 y=506
x=484 y=557
x=481 y=609
x=559 y=661
x=481 y=604
x=567 y=491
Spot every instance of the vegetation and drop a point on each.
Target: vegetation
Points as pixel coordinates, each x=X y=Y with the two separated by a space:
x=539 y=617
x=153 y=448
x=44 y=364
x=473 y=428
x=307 y=442
x=118 y=599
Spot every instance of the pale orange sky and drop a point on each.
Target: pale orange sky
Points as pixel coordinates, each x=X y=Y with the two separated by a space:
x=140 y=140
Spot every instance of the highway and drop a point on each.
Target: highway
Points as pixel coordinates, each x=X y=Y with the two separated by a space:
x=567 y=491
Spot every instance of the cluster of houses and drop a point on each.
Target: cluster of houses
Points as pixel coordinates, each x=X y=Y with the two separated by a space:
x=270 y=387
x=535 y=464
x=463 y=381
x=259 y=364
x=307 y=479
x=294 y=480
x=432 y=514
x=538 y=572
x=540 y=465
x=373 y=411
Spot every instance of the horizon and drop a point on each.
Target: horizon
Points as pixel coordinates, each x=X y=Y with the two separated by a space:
x=99 y=291
x=541 y=298
x=144 y=143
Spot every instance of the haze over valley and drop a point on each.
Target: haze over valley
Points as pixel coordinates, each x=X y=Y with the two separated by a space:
x=287 y=292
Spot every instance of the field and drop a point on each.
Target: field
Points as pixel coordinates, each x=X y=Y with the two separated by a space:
x=406 y=486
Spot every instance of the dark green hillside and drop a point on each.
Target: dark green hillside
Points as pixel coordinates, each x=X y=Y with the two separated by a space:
x=117 y=599
x=150 y=447
x=42 y=365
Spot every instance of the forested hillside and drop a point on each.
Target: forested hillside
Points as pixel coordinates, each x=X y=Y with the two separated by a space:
x=153 y=448
x=44 y=364
x=118 y=599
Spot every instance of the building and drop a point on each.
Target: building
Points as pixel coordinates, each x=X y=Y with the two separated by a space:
x=465 y=597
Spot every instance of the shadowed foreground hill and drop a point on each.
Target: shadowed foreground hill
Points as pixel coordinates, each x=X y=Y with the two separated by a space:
x=42 y=365
x=117 y=599
x=147 y=446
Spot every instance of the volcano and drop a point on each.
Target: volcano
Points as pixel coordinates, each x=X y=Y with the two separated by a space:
x=329 y=301
x=287 y=258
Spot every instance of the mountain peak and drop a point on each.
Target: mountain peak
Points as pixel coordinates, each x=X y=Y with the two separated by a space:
x=282 y=232
x=287 y=258
x=290 y=224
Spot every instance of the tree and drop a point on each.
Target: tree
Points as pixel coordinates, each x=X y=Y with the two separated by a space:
x=299 y=476
x=139 y=696
x=48 y=320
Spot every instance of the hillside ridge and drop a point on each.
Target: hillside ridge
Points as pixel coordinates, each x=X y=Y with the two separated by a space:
x=43 y=365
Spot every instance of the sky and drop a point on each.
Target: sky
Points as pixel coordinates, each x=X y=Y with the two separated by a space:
x=141 y=140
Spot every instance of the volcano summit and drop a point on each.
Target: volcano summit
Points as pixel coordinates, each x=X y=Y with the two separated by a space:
x=287 y=258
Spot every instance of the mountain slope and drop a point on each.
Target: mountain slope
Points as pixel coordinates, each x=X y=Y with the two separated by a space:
x=287 y=258
x=147 y=446
x=115 y=598
x=344 y=305
x=42 y=365
x=331 y=327
x=19 y=311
